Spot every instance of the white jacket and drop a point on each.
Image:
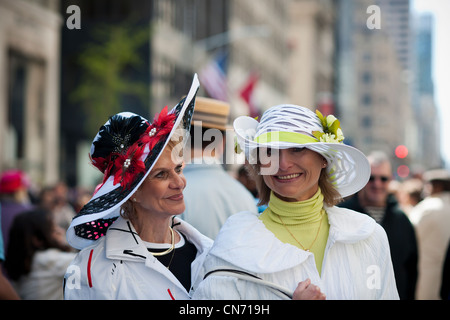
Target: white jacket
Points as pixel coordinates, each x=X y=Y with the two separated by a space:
x=44 y=282
x=357 y=262
x=119 y=266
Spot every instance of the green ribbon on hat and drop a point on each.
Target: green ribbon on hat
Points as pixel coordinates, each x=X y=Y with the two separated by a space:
x=284 y=136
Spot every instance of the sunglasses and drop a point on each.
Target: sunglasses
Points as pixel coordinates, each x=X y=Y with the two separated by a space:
x=382 y=178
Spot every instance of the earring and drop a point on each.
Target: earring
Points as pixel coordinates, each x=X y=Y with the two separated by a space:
x=324 y=165
x=134 y=199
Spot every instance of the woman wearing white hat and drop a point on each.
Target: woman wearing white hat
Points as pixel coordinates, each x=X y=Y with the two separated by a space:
x=131 y=246
x=302 y=170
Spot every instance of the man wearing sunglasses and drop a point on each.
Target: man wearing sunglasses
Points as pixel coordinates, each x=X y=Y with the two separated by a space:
x=375 y=200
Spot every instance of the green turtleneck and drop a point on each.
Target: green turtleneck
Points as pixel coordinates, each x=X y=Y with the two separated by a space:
x=301 y=220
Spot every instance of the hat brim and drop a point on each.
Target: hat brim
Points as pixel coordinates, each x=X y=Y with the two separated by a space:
x=103 y=209
x=348 y=168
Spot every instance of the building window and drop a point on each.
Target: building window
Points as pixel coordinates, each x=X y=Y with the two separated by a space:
x=366 y=122
x=366 y=100
x=367 y=77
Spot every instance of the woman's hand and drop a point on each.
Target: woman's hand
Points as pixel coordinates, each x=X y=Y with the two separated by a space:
x=308 y=291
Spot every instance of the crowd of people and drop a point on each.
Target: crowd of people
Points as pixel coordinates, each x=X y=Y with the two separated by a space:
x=319 y=226
x=34 y=252
x=418 y=233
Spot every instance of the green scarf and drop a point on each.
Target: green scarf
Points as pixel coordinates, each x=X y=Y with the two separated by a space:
x=301 y=220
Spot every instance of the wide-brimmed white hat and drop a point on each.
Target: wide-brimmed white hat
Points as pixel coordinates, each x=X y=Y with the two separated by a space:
x=125 y=150
x=290 y=126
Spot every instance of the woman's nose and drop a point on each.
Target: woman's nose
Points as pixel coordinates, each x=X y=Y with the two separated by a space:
x=178 y=181
x=284 y=160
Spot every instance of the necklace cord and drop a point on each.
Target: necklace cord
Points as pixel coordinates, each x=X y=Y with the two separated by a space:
x=314 y=241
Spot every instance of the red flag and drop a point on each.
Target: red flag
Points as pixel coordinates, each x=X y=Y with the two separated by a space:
x=247 y=93
x=326 y=103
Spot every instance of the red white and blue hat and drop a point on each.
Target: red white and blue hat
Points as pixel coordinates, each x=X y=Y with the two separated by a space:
x=125 y=150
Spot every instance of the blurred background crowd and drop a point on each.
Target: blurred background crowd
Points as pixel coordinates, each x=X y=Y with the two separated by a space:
x=414 y=212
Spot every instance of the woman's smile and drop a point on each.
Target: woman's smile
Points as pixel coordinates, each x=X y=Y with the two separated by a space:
x=288 y=177
x=176 y=197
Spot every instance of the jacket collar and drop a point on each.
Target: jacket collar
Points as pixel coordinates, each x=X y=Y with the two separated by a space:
x=348 y=226
x=123 y=242
x=245 y=242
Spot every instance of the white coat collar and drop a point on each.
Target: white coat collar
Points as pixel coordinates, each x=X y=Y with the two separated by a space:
x=123 y=242
x=245 y=242
x=349 y=226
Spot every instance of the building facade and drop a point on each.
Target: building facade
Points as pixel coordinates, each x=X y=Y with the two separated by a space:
x=373 y=96
x=318 y=54
x=312 y=57
x=250 y=35
x=29 y=88
x=424 y=106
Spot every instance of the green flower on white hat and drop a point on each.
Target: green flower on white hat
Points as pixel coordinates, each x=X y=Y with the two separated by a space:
x=332 y=132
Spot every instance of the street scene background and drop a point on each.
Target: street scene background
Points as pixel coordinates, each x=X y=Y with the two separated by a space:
x=68 y=65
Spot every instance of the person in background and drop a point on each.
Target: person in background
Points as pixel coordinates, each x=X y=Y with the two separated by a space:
x=212 y=195
x=63 y=211
x=431 y=218
x=445 y=285
x=46 y=198
x=374 y=199
x=82 y=197
x=409 y=194
x=37 y=256
x=14 y=198
x=7 y=292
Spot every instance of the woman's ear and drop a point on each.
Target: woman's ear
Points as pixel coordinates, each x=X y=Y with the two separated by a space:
x=324 y=162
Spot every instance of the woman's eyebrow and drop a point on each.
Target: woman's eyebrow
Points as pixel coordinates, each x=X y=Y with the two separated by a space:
x=167 y=168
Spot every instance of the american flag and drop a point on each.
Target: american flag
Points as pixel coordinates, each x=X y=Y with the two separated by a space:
x=214 y=79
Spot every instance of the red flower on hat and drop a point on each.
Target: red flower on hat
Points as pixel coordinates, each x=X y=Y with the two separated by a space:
x=162 y=125
x=128 y=165
x=125 y=165
x=104 y=165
